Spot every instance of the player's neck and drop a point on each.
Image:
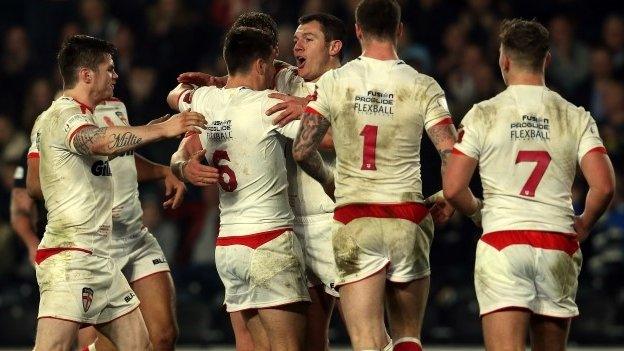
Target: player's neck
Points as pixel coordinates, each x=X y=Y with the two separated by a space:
x=332 y=64
x=244 y=80
x=379 y=50
x=525 y=78
x=83 y=96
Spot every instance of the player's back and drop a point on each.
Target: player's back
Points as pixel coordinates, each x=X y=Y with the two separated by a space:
x=378 y=110
x=244 y=145
x=528 y=140
x=77 y=188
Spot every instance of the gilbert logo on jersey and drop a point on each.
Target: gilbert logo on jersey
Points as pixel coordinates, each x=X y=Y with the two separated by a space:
x=101 y=169
x=87 y=298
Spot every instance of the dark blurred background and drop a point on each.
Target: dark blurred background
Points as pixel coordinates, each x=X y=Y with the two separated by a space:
x=453 y=41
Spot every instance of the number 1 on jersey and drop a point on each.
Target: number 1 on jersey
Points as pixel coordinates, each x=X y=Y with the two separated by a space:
x=370 y=144
x=543 y=160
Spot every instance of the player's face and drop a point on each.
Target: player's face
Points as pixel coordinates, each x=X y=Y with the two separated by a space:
x=105 y=78
x=311 y=51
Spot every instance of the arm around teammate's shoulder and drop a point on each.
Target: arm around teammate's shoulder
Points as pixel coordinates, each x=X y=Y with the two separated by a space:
x=598 y=171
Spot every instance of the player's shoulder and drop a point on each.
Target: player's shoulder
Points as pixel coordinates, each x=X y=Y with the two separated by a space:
x=66 y=107
x=561 y=103
x=110 y=104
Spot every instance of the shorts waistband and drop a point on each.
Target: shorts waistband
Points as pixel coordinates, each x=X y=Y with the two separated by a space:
x=252 y=240
x=411 y=211
x=43 y=254
x=535 y=238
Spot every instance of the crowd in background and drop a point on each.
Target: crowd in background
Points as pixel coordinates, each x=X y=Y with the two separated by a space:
x=453 y=41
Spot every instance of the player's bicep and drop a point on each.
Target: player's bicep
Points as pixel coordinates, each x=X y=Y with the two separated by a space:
x=84 y=139
x=598 y=170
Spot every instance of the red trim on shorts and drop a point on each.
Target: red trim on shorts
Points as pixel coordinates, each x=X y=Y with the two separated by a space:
x=253 y=240
x=311 y=111
x=33 y=154
x=457 y=152
x=445 y=121
x=411 y=211
x=71 y=136
x=536 y=238
x=43 y=254
x=600 y=149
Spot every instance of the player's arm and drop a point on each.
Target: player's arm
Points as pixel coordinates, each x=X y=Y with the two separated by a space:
x=174 y=96
x=174 y=188
x=443 y=136
x=305 y=149
x=186 y=163
x=22 y=217
x=455 y=182
x=33 y=184
x=109 y=141
x=598 y=171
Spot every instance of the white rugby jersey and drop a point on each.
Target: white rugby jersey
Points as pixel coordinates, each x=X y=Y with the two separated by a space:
x=306 y=195
x=528 y=141
x=77 y=189
x=377 y=110
x=242 y=142
x=127 y=211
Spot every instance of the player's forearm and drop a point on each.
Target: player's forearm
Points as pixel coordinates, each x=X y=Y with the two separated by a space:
x=148 y=170
x=596 y=203
x=317 y=169
x=443 y=138
x=463 y=200
x=109 y=141
x=22 y=226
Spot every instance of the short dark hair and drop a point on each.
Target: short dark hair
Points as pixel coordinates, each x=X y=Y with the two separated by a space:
x=527 y=42
x=378 y=18
x=244 y=45
x=261 y=21
x=332 y=27
x=81 y=51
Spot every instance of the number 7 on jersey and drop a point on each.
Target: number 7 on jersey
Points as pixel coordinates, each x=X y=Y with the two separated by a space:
x=543 y=160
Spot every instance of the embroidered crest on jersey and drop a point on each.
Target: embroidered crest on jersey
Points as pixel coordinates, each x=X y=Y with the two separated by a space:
x=87 y=298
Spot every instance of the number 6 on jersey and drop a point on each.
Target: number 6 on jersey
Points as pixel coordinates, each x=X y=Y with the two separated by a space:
x=230 y=184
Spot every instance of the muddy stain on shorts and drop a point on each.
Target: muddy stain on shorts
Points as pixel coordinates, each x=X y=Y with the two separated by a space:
x=267 y=263
x=346 y=251
x=563 y=272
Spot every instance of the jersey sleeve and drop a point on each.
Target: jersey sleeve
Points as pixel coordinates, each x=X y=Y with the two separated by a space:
x=33 y=150
x=435 y=106
x=73 y=120
x=193 y=99
x=19 y=176
x=323 y=93
x=590 y=139
x=468 y=138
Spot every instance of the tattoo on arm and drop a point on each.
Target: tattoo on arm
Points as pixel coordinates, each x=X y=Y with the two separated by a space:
x=305 y=147
x=443 y=137
x=86 y=138
x=123 y=141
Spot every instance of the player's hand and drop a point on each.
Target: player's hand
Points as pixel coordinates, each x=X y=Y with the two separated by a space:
x=32 y=253
x=174 y=191
x=159 y=119
x=183 y=122
x=292 y=108
x=441 y=211
x=581 y=228
x=198 y=174
x=202 y=79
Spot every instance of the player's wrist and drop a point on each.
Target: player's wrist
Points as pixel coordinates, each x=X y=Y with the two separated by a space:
x=178 y=170
x=476 y=215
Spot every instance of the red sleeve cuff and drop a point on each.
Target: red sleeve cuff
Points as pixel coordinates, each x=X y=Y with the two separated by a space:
x=445 y=121
x=457 y=152
x=71 y=136
x=311 y=111
x=33 y=154
x=600 y=149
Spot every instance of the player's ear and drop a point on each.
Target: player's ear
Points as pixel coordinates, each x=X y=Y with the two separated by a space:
x=358 y=31
x=258 y=66
x=334 y=47
x=85 y=75
x=547 y=60
x=399 y=32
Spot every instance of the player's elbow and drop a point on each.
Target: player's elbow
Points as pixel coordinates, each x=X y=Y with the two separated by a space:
x=451 y=191
x=605 y=190
x=172 y=99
